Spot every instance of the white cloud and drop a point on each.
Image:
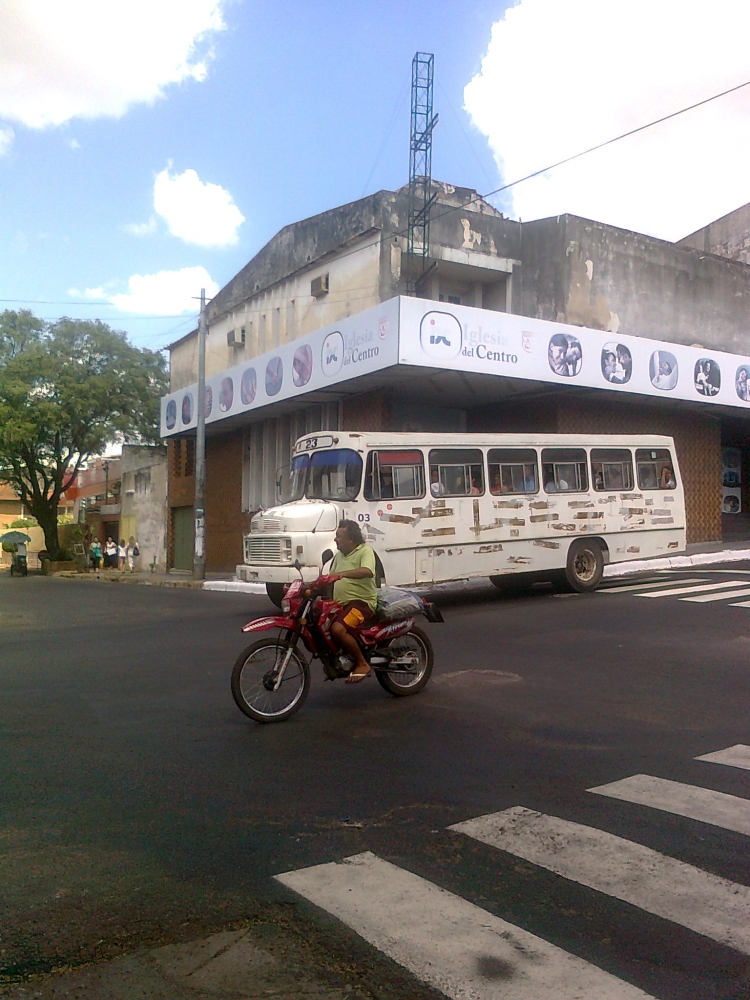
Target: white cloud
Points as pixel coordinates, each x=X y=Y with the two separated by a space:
x=87 y=59
x=204 y=214
x=74 y=143
x=163 y=294
x=562 y=75
x=7 y=135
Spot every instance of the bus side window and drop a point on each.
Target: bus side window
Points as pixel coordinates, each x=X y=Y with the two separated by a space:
x=612 y=469
x=456 y=472
x=512 y=470
x=394 y=475
x=564 y=470
x=655 y=469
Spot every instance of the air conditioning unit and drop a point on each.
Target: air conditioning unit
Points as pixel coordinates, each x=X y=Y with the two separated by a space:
x=236 y=338
x=320 y=285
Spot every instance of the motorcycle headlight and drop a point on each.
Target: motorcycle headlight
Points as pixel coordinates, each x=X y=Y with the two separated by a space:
x=286 y=606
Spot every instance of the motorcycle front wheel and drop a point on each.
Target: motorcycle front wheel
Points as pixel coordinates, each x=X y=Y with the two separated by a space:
x=253 y=680
x=414 y=650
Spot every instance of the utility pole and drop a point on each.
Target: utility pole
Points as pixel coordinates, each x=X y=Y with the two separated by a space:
x=106 y=481
x=199 y=552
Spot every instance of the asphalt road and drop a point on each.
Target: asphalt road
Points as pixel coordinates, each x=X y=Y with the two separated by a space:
x=139 y=807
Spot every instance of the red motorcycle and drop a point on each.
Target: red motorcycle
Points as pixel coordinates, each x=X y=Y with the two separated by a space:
x=271 y=678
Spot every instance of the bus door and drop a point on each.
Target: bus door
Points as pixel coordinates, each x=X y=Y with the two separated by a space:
x=395 y=489
x=457 y=486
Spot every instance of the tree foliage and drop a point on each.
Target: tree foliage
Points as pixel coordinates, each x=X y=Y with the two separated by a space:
x=67 y=389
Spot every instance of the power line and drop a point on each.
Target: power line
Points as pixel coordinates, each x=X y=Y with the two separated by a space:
x=624 y=135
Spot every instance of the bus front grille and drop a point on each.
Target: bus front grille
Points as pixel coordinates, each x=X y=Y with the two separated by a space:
x=267 y=550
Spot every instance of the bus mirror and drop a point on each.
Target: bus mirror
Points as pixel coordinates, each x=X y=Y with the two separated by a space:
x=326 y=557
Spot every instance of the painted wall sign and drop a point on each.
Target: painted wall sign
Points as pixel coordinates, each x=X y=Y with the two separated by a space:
x=428 y=334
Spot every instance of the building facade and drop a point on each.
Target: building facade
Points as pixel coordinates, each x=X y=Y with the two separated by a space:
x=316 y=333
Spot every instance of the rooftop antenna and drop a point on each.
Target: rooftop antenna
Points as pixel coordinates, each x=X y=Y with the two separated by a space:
x=421 y=198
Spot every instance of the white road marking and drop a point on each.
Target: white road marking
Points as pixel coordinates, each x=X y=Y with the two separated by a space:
x=740 y=604
x=671 y=889
x=694 y=590
x=704 y=598
x=643 y=586
x=447 y=942
x=736 y=756
x=730 y=812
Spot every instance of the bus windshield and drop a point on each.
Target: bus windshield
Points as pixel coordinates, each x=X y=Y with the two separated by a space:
x=296 y=488
x=334 y=474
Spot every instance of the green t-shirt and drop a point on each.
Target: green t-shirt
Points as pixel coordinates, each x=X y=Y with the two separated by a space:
x=355 y=590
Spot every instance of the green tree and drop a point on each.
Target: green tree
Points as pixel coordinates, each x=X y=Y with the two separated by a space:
x=66 y=390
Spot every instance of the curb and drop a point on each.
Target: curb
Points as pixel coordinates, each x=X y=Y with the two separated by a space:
x=676 y=562
x=235 y=586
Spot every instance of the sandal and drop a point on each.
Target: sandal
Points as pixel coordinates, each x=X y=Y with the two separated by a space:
x=355 y=678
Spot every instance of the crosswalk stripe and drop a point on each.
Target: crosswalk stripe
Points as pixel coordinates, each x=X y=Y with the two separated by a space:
x=740 y=604
x=723 y=596
x=671 y=889
x=673 y=591
x=730 y=812
x=447 y=942
x=736 y=756
x=643 y=586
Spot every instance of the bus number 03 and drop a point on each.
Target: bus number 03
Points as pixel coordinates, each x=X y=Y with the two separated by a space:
x=363 y=517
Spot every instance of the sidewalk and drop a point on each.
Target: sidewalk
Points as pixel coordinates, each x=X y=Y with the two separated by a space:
x=253 y=962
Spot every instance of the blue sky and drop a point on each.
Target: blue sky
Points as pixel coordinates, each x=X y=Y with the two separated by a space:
x=288 y=108
x=290 y=120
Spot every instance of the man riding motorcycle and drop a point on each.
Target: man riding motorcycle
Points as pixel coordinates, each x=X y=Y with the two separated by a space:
x=354 y=588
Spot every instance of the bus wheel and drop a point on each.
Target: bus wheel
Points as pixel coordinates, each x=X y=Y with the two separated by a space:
x=275 y=593
x=585 y=566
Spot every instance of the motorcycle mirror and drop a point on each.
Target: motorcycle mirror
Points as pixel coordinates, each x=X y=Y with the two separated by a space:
x=326 y=557
x=297 y=565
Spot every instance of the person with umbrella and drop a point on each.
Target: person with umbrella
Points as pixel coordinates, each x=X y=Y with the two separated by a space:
x=18 y=540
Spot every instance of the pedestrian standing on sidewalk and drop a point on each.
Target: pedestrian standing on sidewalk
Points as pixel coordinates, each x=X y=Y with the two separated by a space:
x=132 y=553
x=95 y=553
x=110 y=553
x=122 y=555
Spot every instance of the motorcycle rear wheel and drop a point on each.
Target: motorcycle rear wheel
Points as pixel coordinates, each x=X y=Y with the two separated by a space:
x=415 y=645
x=251 y=673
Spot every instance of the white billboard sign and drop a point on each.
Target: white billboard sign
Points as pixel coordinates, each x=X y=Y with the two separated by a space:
x=465 y=339
x=358 y=345
x=431 y=334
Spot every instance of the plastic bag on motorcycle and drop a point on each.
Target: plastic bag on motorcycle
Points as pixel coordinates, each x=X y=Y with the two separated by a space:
x=395 y=603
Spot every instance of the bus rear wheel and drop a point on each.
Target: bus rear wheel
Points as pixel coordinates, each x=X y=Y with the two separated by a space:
x=583 y=572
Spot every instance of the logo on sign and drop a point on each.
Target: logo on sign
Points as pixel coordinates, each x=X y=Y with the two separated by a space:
x=440 y=335
x=332 y=354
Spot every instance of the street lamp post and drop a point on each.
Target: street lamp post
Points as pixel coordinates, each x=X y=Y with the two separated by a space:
x=199 y=552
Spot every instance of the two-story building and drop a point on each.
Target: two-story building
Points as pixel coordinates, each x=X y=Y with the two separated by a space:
x=317 y=332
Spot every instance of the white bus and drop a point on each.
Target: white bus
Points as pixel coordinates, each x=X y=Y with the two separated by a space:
x=441 y=507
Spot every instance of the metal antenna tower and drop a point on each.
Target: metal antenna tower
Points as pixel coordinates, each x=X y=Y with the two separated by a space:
x=420 y=166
